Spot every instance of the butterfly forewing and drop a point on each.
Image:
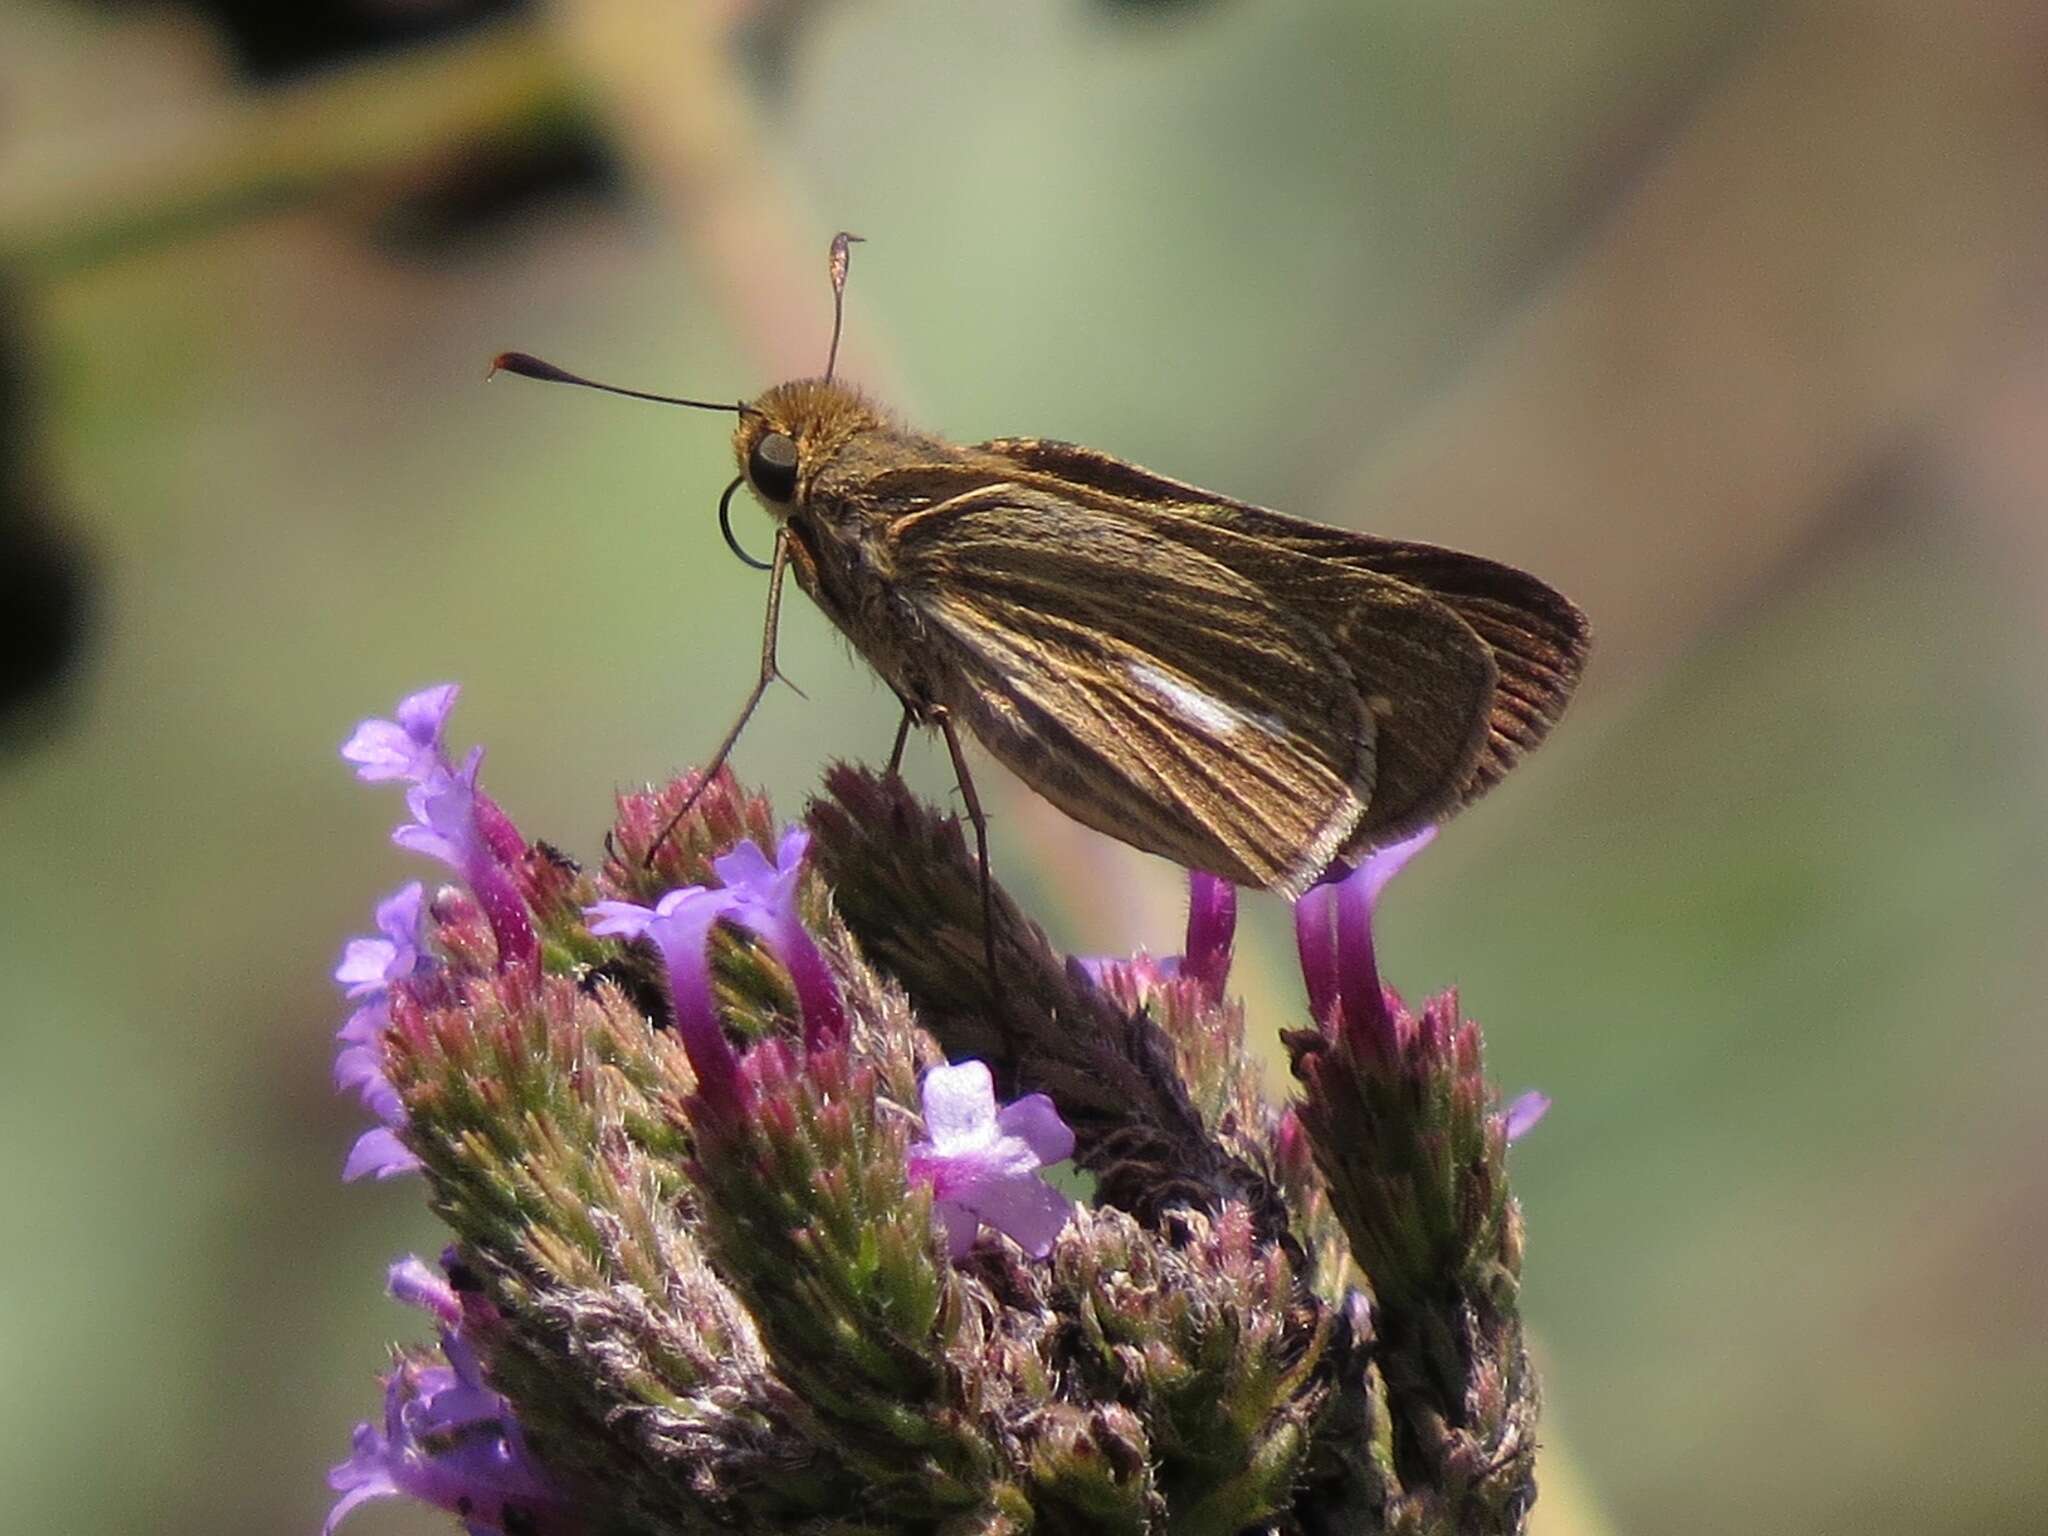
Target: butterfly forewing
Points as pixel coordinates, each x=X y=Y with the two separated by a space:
x=1537 y=639
x=1175 y=706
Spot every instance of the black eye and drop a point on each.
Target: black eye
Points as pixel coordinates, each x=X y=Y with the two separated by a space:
x=772 y=467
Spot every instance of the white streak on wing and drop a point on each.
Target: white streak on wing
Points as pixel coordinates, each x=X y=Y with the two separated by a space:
x=1197 y=708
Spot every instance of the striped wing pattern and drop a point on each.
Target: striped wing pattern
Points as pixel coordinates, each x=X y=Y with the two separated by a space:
x=1148 y=688
x=1538 y=640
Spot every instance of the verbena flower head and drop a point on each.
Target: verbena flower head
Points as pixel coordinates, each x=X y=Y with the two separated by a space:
x=744 y=1154
x=1411 y=1145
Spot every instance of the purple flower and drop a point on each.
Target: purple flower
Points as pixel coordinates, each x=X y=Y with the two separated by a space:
x=1212 y=925
x=369 y=966
x=447 y=1438
x=680 y=927
x=1519 y=1118
x=982 y=1163
x=378 y=1154
x=454 y=822
x=413 y=1281
x=759 y=896
x=406 y=748
x=1144 y=971
x=764 y=900
x=1333 y=929
x=367 y=971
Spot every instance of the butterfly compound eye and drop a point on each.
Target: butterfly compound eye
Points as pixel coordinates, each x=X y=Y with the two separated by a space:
x=772 y=467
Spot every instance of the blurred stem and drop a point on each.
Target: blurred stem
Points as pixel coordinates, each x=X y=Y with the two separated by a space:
x=69 y=202
x=1991 y=446
x=665 y=82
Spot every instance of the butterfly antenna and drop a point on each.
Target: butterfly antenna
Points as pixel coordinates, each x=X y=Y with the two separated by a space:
x=842 y=247
x=528 y=366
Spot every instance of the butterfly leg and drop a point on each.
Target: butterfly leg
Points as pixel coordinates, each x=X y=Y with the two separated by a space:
x=943 y=719
x=902 y=736
x=778 y=566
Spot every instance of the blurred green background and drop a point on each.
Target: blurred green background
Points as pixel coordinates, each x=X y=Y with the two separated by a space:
x=1726 y=317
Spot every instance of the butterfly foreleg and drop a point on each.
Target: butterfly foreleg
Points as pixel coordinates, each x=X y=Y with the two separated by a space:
x=778 y=567
x=943 y=718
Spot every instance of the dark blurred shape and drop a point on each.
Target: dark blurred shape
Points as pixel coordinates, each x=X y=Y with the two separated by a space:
x=42 y=614
x=43 y=570
x=477 y=193
x=275 y=39
x=449 y=192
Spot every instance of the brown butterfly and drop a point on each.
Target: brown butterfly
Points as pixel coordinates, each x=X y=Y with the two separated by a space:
x=1240 y=691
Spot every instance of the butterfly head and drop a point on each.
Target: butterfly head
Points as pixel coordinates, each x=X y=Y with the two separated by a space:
x=788 y=432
